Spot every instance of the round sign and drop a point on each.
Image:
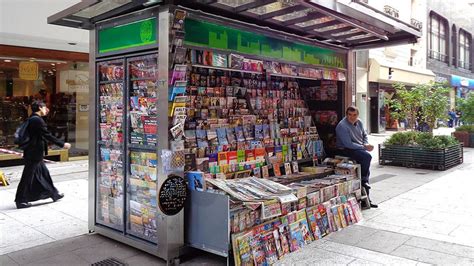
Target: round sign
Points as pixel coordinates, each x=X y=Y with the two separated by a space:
x=172 y=195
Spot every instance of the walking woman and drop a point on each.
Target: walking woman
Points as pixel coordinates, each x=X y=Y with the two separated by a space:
x=36 y=183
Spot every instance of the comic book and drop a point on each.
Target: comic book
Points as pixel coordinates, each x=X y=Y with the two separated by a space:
x=245 y=256
x=258 y=251
x=311 y=213
x=269 y=247
x=342 y=217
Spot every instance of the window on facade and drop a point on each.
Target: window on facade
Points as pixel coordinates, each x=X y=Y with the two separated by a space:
x=454 y=45
x=437 y=38
x=464 y=50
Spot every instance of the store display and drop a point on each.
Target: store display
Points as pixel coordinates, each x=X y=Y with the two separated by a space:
x=111 y=160
x=143 y=92
x=142 y=196
x=237 y=126
x=110 y=187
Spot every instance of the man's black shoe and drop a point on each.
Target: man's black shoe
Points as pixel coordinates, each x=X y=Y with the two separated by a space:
x=372 y=205
x=23 y=205
x=57 y=197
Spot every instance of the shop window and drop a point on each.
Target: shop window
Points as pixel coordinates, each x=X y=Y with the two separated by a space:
x=62 y=85
x=465 y=46
x=437 y=38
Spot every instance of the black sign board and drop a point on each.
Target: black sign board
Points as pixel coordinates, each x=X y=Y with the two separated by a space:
x=172 y=195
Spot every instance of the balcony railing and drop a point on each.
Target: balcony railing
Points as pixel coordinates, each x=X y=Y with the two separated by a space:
x=391 y=11
x=465 y=65
x=416 y=23
x=437 y=56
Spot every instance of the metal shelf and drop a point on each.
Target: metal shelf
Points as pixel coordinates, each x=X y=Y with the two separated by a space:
x=111 y=81
x=142 y=147
x=140 y=79
x=228 y=69
x=290 y=76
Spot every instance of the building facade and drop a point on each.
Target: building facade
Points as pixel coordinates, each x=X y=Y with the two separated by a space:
x=47 y=62
x=450 y=52
x=378 y=69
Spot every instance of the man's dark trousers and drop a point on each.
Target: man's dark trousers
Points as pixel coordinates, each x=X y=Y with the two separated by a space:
x=362 y=157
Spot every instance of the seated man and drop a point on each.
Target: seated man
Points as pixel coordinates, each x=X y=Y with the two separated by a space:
x=352 y=140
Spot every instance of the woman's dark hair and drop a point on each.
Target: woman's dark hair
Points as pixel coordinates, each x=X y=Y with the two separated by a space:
x=36 y=105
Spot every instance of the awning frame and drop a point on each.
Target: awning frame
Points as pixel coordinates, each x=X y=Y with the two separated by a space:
x=350 y=24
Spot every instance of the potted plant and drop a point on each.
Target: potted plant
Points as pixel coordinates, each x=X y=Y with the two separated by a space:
x=423 y=104
x=421 y=149
x=465 y=135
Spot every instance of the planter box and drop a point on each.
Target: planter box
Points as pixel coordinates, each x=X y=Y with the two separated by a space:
x=463 y=137
x=417 y=157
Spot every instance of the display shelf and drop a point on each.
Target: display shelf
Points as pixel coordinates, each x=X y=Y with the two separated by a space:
x=110 y=144
x=290 y=76
x=228 y=69
x=141 y=79
x=142 y=147
x=111 y=81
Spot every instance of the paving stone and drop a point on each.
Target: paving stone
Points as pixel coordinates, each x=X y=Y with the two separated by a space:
x=311 y=256
x=365 y=255
x=17 y=234
x=61 y=260
x=5 y=260
x=351 y=235
x=105 y=250
x=383 y=241
x=144 y=259
x=55 y=248
x=64 y=229
x=430 y=256
x=363 y=262
x=441 y=246
x=439 y=237
x=16 y=245
x=38 y=215
x=381 y=226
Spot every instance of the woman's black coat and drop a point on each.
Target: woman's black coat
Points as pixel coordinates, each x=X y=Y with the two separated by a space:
x=37 y=147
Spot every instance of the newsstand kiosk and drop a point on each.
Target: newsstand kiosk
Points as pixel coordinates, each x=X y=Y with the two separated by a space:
x=154 y=73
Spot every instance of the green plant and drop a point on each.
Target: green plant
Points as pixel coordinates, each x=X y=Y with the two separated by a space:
x=421 y=139
x=434 y=104
x=422 y=103
x=401 y=138
x=405 y=104
x=466 y=106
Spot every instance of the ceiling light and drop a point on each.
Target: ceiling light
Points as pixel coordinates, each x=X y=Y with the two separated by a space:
x=7 y=60
x=53 y=64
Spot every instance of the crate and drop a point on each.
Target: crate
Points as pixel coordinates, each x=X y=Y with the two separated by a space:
x=418 y=157
x=463 y=137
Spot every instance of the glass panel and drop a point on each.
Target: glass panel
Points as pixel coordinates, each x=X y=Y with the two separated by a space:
x=234 y=3
x=101 y=8
x=314 y=22
x=143 y=93
x=434 y=25
x=142 y=195
x=110 y=164
x=293 y=15
x=142 y=174
x=110 y=187
x=64 y=88
x=338 y=26
x=269 y=8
